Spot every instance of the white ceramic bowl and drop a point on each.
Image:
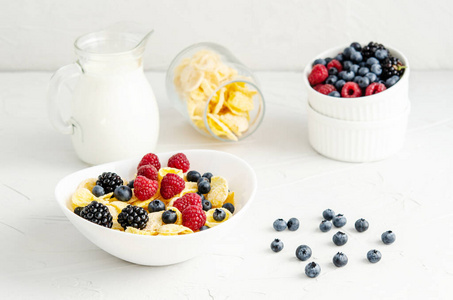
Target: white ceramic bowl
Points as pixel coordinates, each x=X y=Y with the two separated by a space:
x=385 y=105
x=354 y=141
x=162 y=250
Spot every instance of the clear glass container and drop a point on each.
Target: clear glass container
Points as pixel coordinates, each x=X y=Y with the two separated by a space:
x=215 y=92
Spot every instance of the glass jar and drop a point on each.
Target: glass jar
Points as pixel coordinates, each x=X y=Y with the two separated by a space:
x=219 y=95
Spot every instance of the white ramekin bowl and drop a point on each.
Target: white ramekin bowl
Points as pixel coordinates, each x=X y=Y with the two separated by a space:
x=354 y=141
x=385 y=105
x=163 y=250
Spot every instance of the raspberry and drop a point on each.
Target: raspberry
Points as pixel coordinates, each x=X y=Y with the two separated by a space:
x=351 y=90
x=145 y=188
x=193 y=217
x=171 y=185
x=318 y=74
x=150 y=159
x=187 y=200
x=335 y=64
x=374 y=88
x=179 y=161
x=325 y=88
x=148 y=171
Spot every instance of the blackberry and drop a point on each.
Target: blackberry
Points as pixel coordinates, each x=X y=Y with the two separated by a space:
x=109 y=181
x=77 y=210
x=370 y=50
x=392 y=66
x=133 y=216
x=97 y=213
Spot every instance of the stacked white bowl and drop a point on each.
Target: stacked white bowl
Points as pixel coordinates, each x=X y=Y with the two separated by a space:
x=363 y=129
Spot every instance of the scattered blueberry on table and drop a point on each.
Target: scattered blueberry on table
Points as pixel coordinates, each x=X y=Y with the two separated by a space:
x=293 y=224
x=325 y=225
x=340 y=238
x=303 y=252
x=339 y=221
x=374 y=256
x=280 y=225
x=361 y=225
x=312 y=270
x=388 y=237
x=277 y=245
x=340 y=259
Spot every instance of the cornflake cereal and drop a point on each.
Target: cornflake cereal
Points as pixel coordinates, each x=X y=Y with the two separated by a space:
x=228 y=113
x=219 y=194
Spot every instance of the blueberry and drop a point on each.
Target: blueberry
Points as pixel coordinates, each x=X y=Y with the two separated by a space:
x=361 y=225
x=169 y=216
x=98 y=191
x=293 y=224
x=319 y=61
x=376 y=69
x=208 y=175
x=279 y=225
x=207 y=205
x=340 y=260
x=303 y=252
x=347 y=52
x=339 y=84
x=204 y=227
x=201 y=196
x=229 y=206
x=277 y=245
x=347 y=64
x=374 y=256
x=123 y=193
x=356 y=46
x=363 y=82
x=347 y=75
x=396 y=77
x=155 y=206
x=219 y=215
x=388 y=237
x=202 y=179
x=362 y=64
x=193 y=176
x=356 y=57
x=381 y=54
x=312 y=270
x=357 y=78
x=354 y=68
x=77 y=210
x=339 y=57
x=363 y=71
x=334 y=94
x=325 y=225
x=204 y=186
x=339 y=220
x=371 y=76
x=328 y=214
x=371 y=61
x=340 y=238
x=131 y=183
x=390 y=82
x=331 y=79
x=333 y=71
x=328 y=60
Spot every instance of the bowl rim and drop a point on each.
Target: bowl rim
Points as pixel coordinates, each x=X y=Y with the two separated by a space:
x=369 y=98
x=63 y=202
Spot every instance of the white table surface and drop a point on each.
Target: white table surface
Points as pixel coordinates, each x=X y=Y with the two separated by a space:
x=42 y=256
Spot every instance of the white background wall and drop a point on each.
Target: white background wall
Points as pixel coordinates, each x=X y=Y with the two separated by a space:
x=265 y=34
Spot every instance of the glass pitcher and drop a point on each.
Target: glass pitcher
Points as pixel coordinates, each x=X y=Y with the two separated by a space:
x=113 y=110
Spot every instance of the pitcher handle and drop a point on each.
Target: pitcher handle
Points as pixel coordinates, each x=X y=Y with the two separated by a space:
x=56 y=82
